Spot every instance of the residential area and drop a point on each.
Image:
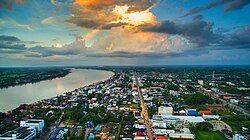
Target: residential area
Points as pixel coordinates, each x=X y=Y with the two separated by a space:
x=137 y=104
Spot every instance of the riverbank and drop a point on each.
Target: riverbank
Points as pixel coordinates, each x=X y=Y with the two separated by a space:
x=50 y=109
x=13 y=97
x=11 y=77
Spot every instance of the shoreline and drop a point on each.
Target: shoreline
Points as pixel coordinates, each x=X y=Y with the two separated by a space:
x=37 y=81
x=66 y=92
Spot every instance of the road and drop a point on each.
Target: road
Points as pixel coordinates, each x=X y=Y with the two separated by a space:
x=51 y=128
x=147 y=121
x=87 y=133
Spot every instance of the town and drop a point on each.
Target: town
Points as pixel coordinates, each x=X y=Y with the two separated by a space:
x=141 y=104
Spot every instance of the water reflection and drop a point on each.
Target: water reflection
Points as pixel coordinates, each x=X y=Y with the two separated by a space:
x=12 y=97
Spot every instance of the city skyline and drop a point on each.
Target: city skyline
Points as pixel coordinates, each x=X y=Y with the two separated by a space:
x=110 y=32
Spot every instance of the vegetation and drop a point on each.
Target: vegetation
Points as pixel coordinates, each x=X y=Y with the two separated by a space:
x=196 y=99
x=202 y=126
x=233 y=90
x=50 y=118
x=206 y=126
x=204 y=131
x=210 y=135
x=19 y=76
x=237 y=121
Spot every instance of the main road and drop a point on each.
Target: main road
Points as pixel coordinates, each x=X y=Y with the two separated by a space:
x=144 y=108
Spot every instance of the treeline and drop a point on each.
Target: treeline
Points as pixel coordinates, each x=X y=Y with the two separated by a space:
x=19 y=76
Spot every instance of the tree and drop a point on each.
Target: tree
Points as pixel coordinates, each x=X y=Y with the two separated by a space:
x=198 y=98
x=205 y=126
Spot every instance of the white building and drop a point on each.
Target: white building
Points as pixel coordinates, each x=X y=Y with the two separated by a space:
x=162 y=110
x=139 y=126
x=174 y=118
x=239 y=137
x=234 y=101
x=159 y=123
x=201 y=82
x=21 y=133
x=38 y=124
x=160 y=131
x=207 y=117
x=183 y=134
x=174 y=93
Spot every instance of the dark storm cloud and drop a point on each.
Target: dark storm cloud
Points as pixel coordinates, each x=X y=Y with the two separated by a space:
x=202 y=34
x=240 y=37
x=230 y=5
x=122 y=54
x=75 y=48
x=8 y=4
x=83 y=22
x=153 y=55
x=51 y=51
x=197 y=31
x=236 y=4
x=11 y=43
x=111 y=25
x=9 y=38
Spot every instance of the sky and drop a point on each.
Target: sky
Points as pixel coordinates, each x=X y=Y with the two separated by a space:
x=124 y=32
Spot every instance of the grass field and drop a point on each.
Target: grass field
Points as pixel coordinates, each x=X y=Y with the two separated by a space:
x=210 y=135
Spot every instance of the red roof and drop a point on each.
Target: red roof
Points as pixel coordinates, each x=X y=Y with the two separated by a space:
x=205 y=112
x=137 y=114
x=160 y=137
x=139 y=133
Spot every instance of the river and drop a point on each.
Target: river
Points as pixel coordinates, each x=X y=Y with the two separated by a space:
x=12 y=97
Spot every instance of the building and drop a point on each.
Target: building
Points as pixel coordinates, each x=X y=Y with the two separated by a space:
x=201 y=82
x=189 y=119
x=174 y=93
x=183 y=134
x=163 y=110
x=205 y=112
x=58 y=134
x=139 y=126
x=208 y=117
x=191 y=112
x=239 y=137
x=160 y=137
x=21 y=133
x=159 y=123
x=140 y=135
x=38 y=124
x=160 y=131
x=137 y=115
x=220 y=125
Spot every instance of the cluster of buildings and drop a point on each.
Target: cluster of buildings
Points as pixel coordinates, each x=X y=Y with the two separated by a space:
x=119 y=96
x=27 y=131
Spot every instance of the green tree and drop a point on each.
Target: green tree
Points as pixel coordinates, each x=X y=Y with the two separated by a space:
x=205 y=126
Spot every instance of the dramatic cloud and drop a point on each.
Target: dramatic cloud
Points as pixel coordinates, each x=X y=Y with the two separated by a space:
x=119 y=40
x=236 y=4
x=13 y=45
x=8 y=4
x=238 y=38
x=75 y=48
x=8 y=43
x=100 y=14
x=198 y=32
x=230 y=5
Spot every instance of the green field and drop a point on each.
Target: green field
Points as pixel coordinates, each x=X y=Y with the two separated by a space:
x=210 y=135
